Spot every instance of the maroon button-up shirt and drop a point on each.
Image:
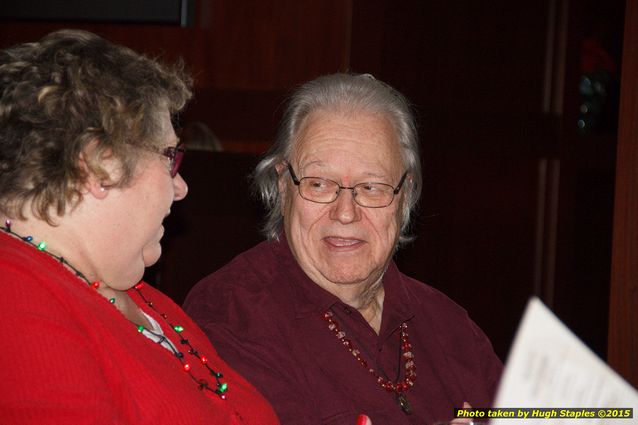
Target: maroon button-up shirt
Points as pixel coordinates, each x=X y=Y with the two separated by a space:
x=265 y=318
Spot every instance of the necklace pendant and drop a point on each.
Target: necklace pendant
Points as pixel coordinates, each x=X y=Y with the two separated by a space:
x=404 y=403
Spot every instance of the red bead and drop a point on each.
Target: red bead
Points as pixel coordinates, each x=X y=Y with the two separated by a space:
x=96 y=284
x=406 y=354
x=186 y=367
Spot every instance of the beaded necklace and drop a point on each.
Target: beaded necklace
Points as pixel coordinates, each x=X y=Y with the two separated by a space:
x=400 y=387
x=219 y=386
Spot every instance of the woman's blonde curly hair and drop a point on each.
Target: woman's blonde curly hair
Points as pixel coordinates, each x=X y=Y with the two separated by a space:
x=65 y=91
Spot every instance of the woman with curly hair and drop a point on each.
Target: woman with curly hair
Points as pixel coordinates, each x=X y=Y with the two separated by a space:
x=89 y=167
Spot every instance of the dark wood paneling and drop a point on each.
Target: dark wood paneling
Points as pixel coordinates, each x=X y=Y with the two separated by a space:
x=250 y=115
x=216 y=221
x=244 y=55
x=266 y=45
x=623 y=315
x=461 y=57
x=585 y=214
x=475 y=76
x=481 y=83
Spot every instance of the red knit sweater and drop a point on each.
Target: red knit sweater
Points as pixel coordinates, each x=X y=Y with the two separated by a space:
x=67 y=356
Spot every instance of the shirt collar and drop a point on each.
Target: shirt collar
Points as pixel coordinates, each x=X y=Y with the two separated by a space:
x=308 y=298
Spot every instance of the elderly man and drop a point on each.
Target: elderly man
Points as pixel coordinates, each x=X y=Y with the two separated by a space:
x=318 y=317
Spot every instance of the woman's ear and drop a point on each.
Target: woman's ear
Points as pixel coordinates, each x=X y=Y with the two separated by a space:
x=97 y=167
x=98 y=190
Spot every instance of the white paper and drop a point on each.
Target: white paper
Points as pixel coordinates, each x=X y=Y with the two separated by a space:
x=549 y=367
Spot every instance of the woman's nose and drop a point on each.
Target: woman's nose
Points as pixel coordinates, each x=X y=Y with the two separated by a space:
x=180 y=187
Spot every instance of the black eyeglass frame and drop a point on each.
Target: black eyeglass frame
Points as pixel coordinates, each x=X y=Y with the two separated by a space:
x=175 y=154
x=297 y=183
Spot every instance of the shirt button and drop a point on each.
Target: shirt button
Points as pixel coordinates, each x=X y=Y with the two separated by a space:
x=347 y=310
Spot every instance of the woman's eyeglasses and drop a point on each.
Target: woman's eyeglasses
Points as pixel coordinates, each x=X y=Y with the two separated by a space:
x=175 y=154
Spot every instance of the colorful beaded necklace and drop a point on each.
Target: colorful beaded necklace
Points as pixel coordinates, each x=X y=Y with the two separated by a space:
x=400 y=387
x=219 y=387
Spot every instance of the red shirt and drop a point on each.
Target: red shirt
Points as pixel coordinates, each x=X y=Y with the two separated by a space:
x=264 y=315
x=68 y=356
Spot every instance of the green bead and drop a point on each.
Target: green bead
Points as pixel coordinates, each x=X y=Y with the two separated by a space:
x=223 y=387
x=140 y=328
x=42 y=246
x=178 y=328
x=112 y=300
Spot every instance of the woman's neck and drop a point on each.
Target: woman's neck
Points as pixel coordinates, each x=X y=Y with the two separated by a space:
x=61 y=242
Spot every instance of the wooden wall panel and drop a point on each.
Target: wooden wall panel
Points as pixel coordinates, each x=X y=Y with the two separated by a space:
x=245 y=56
x=475 y=77
x=478 y=78
x=623 y=314
x=587 y=167
x=268 y=45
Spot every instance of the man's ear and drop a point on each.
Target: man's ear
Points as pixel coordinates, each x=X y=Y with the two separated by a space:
x=281 y=184
x=407 y=185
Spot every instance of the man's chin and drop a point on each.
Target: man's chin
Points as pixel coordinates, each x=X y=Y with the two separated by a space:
x=346 y=278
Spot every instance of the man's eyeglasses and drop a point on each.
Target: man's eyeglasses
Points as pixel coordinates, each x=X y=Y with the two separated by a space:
x=175 y=154
x=324 y=191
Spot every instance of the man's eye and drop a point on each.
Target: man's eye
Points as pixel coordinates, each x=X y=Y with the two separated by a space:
x=317 y=185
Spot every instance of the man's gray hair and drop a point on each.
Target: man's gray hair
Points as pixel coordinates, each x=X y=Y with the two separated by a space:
x=343 y=93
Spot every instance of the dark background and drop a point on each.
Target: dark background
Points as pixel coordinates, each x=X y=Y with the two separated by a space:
x=517 y=198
